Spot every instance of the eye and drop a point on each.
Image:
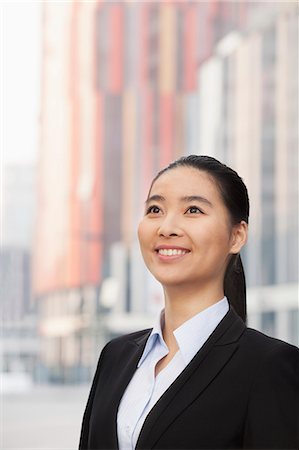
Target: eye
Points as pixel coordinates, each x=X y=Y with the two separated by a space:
x=154 y=209
x=194 y=210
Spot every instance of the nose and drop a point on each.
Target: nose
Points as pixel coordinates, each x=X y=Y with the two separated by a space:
x=169 y=227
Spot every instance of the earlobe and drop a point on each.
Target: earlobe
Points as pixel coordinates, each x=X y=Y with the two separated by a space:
x=239 y=238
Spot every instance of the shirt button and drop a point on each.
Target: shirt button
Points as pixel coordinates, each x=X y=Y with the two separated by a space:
x=128 y=430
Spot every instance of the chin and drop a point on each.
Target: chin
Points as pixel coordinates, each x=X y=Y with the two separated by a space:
x=170 y=281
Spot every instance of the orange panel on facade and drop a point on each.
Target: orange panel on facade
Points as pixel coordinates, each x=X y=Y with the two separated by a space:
x=166 y=129
x=190 y=47
x=116 y=56
x=67 y=116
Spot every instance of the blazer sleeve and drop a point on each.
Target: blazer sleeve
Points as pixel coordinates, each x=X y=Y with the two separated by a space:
x=83 y=443
x=272 y=420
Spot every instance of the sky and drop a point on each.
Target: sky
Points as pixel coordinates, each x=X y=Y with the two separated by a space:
x=20 y=80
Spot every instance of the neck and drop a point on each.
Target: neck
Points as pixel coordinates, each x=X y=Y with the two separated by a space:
x=181 y=304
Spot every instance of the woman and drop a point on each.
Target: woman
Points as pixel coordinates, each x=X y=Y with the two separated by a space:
x=200 y=379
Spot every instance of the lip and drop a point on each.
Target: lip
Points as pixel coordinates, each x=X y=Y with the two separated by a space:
x=174 y=247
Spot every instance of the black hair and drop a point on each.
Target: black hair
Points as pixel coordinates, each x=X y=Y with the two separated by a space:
x=235 y=197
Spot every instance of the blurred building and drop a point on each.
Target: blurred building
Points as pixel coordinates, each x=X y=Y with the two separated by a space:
x=19 y=344
x=248 y=117
x=148 y=57
x=127 y=87
x=69 y=227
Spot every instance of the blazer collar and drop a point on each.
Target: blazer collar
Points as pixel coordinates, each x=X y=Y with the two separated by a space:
x=217 y=350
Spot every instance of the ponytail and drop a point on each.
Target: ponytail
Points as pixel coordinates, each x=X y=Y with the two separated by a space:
x=235 y=286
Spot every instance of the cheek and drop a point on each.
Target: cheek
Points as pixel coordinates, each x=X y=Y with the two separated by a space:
x=220 y=239
x=211 y=234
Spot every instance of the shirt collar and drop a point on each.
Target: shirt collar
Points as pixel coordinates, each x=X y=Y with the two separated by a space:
x=156 y=337
x=191 y=335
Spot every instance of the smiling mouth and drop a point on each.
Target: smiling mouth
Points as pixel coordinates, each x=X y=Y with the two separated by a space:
x=172 y=252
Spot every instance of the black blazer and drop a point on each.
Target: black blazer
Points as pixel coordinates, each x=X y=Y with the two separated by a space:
x=239 y=391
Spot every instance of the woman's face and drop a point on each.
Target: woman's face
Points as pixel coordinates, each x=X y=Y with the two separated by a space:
x=185 y=235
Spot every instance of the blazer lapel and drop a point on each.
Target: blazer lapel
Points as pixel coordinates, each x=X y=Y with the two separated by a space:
x=127 y=364
x=215 y=353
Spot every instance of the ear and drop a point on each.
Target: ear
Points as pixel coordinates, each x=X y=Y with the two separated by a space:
x=239 y=237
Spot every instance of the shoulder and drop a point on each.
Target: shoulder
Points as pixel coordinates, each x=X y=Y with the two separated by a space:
x=268 y=352
x=264 y=342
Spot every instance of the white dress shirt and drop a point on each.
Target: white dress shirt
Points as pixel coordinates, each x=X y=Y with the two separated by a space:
x=144 y=389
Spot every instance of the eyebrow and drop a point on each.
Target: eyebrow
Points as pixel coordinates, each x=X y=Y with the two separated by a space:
x=196 y=198
x=186 y=199
x=154 y=198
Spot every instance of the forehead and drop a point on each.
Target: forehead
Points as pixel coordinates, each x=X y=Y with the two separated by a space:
x=186 y=181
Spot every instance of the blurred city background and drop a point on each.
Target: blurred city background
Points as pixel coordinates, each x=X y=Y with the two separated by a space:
x=115 y=91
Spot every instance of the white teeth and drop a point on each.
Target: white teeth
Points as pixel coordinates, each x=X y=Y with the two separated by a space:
x=171 y=252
